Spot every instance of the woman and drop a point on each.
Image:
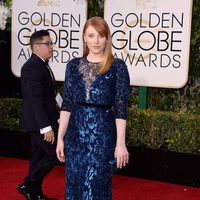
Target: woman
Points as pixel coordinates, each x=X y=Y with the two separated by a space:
x=93 y=116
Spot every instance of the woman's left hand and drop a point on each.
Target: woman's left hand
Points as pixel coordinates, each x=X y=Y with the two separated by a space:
x=121 y=155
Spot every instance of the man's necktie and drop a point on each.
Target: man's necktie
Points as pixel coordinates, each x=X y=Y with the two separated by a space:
x=52 y=76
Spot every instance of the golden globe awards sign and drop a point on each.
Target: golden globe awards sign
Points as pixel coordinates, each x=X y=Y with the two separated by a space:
x=64 y=20
x=153 y=38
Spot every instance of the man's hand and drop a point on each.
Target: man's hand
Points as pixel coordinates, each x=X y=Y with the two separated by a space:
x=49 y=137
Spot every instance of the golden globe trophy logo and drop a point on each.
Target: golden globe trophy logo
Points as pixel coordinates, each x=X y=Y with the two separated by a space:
x=63 y=19
x=48 y=3
x=153 y=38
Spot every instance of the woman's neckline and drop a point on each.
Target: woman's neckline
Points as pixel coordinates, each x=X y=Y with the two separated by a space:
x=92 y=61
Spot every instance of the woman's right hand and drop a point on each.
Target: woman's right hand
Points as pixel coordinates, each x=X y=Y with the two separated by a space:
x=60 y=150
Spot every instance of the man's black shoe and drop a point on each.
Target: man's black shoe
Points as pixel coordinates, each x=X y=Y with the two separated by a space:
x=43 y=197
x=23 y=189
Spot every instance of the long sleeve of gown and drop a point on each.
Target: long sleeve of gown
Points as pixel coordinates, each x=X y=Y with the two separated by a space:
x=68 y=97
x=122 y=90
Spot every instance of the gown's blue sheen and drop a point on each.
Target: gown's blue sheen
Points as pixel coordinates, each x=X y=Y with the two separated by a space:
x=91 y=134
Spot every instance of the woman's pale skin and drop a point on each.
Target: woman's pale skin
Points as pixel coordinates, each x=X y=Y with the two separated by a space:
x=96 y=44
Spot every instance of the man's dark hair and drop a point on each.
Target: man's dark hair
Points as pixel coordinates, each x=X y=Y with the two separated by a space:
x=37 y=36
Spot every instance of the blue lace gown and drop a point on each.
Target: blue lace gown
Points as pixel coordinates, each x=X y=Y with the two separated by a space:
x=94 y=100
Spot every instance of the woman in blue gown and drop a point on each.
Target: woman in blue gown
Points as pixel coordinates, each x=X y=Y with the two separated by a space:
x=93 y=116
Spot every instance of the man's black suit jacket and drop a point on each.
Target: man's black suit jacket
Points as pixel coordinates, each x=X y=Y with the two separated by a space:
x=38 y=90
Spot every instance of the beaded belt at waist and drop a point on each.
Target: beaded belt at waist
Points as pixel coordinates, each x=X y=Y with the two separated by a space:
x=94 y=105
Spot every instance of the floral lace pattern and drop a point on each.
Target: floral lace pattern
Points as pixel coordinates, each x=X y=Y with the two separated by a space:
x=89 y=71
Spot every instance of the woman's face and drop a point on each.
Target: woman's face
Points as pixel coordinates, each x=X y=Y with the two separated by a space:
x=94 y=41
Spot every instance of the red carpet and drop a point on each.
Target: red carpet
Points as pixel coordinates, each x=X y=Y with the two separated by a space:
x=124 y=188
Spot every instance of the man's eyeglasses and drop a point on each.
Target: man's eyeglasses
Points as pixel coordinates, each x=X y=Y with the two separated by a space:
x=49 y=44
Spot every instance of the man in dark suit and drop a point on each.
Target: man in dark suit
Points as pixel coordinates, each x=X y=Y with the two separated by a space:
x=39 y=114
